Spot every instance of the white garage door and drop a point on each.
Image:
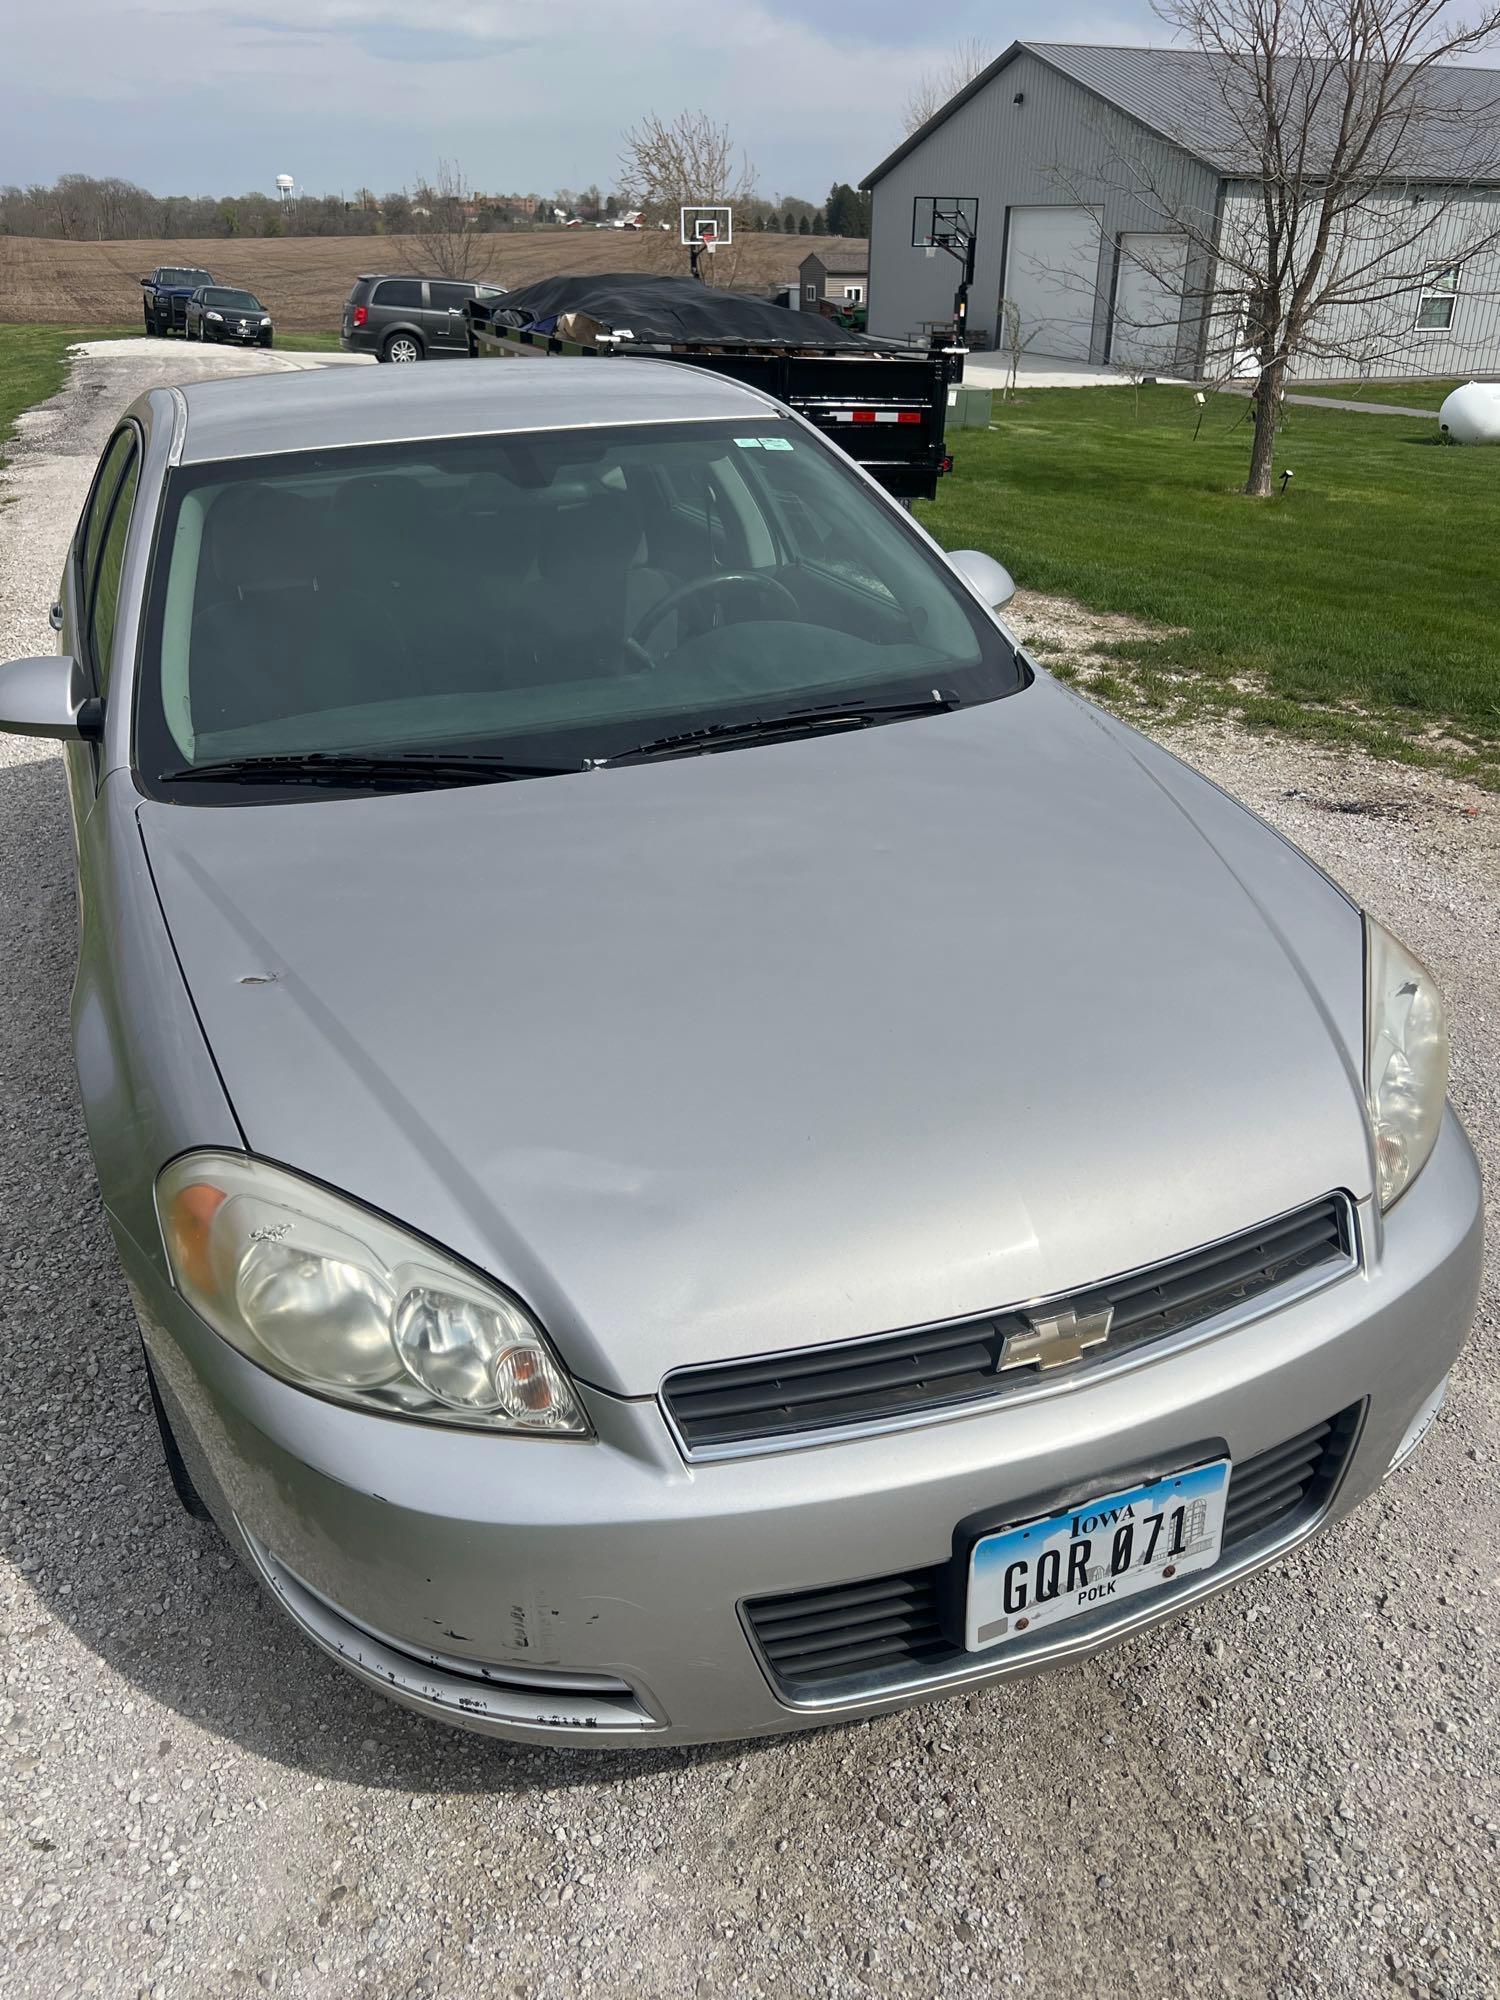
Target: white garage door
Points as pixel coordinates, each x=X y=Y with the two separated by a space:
x=1052 y=276
x=1148 y=299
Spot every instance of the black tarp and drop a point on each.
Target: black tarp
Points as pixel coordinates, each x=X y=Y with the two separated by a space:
x=660 y=311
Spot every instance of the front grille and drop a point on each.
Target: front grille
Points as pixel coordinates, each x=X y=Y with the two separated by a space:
x=856 y=1638
x=895 y=1375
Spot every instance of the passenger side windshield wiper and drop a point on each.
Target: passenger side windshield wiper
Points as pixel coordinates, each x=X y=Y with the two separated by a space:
x=415 y=769
x=808 y=721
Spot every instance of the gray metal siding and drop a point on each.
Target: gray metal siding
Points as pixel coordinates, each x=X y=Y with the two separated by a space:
x=1378 y=337
x=1062 y=145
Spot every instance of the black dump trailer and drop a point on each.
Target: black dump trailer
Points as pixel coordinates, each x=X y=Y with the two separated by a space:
x=885 y=405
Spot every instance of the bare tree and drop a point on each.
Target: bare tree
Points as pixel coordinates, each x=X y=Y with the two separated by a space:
x=936 y=86
x=441 y=225
x=1359 y=159
x=667 y=164
x=1014 y=340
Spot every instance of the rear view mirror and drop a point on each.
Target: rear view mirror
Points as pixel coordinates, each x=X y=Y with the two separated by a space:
x=47 y=697
x=145 y=281
x=983 y=574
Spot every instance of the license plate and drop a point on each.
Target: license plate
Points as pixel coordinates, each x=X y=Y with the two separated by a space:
x=1047 y=1571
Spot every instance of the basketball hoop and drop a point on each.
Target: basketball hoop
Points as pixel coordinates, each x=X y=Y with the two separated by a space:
x=949 y=222
x=705 y=225
x=945 y=222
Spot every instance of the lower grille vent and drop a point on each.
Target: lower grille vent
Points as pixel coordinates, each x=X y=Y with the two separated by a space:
x=858 y=1637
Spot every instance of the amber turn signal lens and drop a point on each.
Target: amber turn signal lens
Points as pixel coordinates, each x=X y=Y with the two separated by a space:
x=189 y=1221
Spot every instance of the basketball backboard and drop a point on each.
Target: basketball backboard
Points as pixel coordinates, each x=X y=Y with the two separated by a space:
x=944 y=221
x=707 y=224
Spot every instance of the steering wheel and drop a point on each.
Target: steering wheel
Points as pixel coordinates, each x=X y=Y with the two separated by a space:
x=700 y=586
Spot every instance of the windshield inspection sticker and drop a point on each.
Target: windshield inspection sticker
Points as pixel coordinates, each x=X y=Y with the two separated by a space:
x=748 y=444
x=765 y=444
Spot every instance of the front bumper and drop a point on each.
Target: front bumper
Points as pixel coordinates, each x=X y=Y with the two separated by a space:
x=573 y=1592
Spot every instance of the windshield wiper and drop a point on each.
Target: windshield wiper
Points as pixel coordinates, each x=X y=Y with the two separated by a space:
x=808 y=721
x=329 y=767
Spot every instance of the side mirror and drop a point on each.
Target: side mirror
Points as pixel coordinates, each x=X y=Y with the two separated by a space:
x=145 y=281
x=990 y=580
x=48 y=697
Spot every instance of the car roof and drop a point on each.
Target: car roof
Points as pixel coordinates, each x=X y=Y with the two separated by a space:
x=253 y=416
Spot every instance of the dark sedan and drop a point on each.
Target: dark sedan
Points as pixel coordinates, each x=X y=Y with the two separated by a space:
x=218 y=312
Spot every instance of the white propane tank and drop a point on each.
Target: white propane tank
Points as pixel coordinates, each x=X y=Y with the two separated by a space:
x=1471 y=415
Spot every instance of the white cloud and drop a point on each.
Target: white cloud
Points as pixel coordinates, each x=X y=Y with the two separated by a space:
x=524 y=95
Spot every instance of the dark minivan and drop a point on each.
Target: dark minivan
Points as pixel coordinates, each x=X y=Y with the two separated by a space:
x=407 y=319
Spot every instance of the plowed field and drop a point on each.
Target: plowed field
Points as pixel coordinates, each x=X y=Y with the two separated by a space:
x=304 y=280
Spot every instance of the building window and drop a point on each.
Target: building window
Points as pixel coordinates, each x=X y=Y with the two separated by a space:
x=810 y=293
x=1436 y=300
x=853 y=294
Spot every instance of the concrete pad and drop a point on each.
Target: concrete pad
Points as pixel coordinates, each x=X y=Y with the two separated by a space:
x=194 y=359
x=1040 y=371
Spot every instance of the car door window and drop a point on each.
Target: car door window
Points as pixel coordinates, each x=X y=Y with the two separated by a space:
x=444 y=296
x=405 y=293
x=104 y=576
x=95 y=516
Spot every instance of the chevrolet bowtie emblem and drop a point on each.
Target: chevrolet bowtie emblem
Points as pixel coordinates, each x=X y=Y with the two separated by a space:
x=1053 y=1339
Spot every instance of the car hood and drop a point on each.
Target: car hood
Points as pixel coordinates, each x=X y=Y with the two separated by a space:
x=791 y=1044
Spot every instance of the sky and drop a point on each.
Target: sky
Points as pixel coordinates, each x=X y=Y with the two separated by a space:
x=220 y=96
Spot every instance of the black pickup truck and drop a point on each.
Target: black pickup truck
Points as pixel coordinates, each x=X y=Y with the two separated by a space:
x=884 y=404
x=164 y=296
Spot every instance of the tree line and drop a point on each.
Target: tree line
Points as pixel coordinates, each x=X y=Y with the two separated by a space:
x=83 y=208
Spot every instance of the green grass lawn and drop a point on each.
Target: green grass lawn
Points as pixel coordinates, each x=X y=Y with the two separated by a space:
x=309 y=343
x=33 y=361
x=1423 y=394
x=1364 y=604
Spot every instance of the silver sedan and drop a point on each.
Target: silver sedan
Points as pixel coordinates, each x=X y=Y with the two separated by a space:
x=699 y=1147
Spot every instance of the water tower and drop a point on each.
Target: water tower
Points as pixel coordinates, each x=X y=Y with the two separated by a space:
x=285 y=187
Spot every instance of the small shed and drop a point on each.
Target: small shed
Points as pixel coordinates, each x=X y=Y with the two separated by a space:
x=841 y=275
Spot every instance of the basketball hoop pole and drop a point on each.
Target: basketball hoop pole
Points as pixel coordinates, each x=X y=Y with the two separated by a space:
x=961 y=296
x=954 y=228
x=963 y=248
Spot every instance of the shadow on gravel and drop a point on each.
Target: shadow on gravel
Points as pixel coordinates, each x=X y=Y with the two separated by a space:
x=87 y=1513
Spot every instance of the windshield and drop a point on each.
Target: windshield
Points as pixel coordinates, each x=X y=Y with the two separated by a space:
x=220 y=295
x=553 y=599
x=193 y=278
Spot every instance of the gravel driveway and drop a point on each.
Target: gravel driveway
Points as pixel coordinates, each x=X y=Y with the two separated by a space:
x=1290 y=1792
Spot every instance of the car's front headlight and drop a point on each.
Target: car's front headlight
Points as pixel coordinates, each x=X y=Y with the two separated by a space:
x=332 y=1297
x=214 y=315
x=1406 y=1060
x=265 y=319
